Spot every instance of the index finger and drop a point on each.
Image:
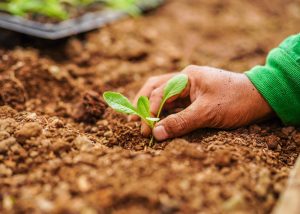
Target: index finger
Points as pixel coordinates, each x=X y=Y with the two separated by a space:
x=151 y=84
x=156 y=97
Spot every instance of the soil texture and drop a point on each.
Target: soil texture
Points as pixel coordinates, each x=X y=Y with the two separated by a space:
x=62 y=150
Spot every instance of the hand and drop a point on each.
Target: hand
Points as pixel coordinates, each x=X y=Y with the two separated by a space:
x=217 y=99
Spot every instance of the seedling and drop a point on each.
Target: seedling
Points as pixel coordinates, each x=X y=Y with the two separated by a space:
x=57 y=9
x=121 y=104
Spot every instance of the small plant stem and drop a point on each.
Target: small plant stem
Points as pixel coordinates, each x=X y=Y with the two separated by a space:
x=151 y=141
x=158 y=114
x=160 y=108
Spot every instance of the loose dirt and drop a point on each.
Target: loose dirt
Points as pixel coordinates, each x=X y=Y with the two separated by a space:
x=63 y=151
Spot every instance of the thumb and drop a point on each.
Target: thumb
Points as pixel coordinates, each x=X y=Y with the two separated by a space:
x=179 y=124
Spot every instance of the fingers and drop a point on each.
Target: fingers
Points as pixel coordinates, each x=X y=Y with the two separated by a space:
x=174 y=107
x=179 y=103
x=180 y=123
x=151 y=84
x=146 y=90
x=145 y=129
x=157 y=97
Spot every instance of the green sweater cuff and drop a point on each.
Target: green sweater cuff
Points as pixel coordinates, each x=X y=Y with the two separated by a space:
x=279 y=83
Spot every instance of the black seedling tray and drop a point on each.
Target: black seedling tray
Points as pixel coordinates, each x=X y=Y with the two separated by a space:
x=69 y=27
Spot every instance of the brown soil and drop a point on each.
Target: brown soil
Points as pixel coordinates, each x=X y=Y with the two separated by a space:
x=63 y=151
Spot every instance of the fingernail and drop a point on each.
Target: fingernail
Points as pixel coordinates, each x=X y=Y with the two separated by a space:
x=160 y=133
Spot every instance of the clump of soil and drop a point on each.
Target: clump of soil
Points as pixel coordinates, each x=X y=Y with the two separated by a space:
x=12 y=93
x=29 y=130
x=90 y=108
x=55 y=161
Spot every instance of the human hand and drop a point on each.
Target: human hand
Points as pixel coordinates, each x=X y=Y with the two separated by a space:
x=217 y=99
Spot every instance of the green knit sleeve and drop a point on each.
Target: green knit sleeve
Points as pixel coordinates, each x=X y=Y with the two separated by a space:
x=279 y=80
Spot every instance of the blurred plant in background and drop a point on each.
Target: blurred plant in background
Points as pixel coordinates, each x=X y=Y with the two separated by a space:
x=57 y=9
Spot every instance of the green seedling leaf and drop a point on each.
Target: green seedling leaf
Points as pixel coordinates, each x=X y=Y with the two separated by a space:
x=174 y=87
x=143 y=107
x=128 y=6
x=119 y=103
x=59 y=9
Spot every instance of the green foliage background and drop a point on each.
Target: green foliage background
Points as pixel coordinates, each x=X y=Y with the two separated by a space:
x=57 y=9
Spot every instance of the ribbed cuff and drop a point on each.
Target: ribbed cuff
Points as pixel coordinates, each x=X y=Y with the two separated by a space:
x=279 y=83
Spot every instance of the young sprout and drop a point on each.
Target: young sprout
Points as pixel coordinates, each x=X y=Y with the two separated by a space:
x=57 y=9
x=121 y=104
x=50 y=8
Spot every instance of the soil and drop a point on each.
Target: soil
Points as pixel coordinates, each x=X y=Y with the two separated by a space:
x=63 y=151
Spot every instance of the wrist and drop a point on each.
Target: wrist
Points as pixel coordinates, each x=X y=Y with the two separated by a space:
x=258 y=106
